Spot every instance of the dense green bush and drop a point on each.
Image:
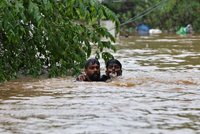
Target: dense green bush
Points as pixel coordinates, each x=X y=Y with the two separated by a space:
x=53 y=36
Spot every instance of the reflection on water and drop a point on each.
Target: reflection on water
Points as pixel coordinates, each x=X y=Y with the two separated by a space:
x=158 y=93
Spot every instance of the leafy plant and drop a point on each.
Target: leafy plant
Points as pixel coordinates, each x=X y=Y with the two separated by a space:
x=38 y=36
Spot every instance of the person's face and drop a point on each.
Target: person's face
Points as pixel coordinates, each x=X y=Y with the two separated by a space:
x=93 y=72
x=113 y=70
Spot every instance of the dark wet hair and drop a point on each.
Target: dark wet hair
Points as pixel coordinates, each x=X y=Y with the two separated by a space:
x=113 y=61
x=91 y=61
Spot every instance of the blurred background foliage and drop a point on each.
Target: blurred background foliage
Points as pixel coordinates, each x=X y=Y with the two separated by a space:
x=167 y=15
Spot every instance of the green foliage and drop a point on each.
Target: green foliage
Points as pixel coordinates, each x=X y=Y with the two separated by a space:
x=38 y=36
x=177 y=13
x=169 y=15
x=124 y=10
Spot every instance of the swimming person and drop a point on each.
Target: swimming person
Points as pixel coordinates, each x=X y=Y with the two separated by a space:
x=113 y=69
x=92 y=71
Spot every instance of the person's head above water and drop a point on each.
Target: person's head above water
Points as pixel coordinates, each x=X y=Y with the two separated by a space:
x=91 y=61
x=113 y=68
x=92 y=71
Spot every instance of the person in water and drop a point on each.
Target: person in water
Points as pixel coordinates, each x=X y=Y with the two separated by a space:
x=92 y=71
x=113 y=69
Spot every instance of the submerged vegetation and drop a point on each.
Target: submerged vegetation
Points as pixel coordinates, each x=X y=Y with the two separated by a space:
x=51 y=36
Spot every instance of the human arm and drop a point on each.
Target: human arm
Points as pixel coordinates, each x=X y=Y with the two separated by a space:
x=81 y=77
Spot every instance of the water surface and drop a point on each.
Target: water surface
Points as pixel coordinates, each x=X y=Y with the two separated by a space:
x=157 y=94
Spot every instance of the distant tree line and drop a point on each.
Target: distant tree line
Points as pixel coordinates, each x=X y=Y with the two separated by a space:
x=169 y=16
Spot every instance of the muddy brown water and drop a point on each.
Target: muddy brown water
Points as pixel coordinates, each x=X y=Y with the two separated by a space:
x=157 y=94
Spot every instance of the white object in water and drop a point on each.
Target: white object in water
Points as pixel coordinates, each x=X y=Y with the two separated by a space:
x=155 y=31
x=113 y=75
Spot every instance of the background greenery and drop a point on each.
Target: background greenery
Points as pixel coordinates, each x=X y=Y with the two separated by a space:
x=50 y=36
x=168 y=16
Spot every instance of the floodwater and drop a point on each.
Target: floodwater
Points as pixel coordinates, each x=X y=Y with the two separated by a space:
x=157 y=94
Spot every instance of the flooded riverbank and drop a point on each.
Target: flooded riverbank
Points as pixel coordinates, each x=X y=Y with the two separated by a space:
x=157 y=94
